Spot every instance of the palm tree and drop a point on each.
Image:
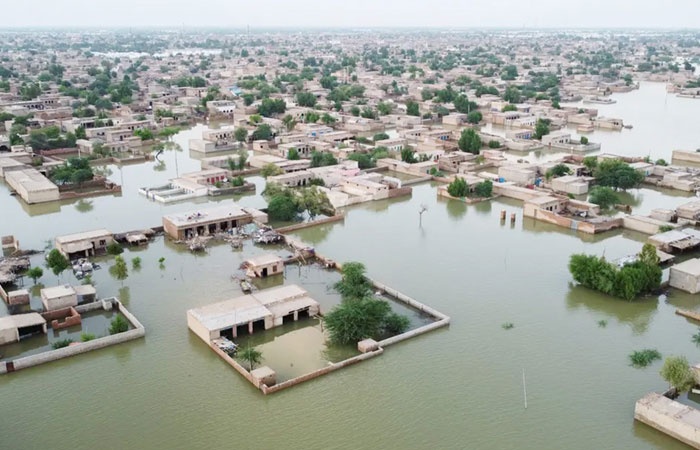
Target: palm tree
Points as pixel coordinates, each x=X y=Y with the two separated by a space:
x=251 y=356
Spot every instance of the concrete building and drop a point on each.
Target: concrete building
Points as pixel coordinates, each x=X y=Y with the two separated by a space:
x=264 y=265
x=570 y=184
x=292 y=179
x=675 y=419
x=210 y=221
x=15 y=327
x=686 y=276
x=32 y=186
x=248 y=313
x=519 y=174
x=676 y=241
x=58 y=297
x=83 y=245
x=690 y=210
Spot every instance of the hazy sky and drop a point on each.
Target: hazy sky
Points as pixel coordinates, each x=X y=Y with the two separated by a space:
x=354 y=13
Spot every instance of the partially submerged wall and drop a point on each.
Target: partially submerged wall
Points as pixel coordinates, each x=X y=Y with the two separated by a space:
x=52 y=355
x=673 y=418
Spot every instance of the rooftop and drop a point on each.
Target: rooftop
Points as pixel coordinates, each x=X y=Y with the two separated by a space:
x=85 y=235
x=263 y=260
x=57 y=291
x=691 y=267
x=21 y=321
x=31 y=180
x=206 y=215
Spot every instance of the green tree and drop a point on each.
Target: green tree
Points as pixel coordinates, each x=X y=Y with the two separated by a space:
x=380 y=137
x=312 y=117
x=384 y=108
x=136 y=262
x=603 y=196
x=118 y=325
x=270 y=169
x=57 y=262
x=617 y=174
x=676 y=371
x=293 y=154
x=474 y=117
x=322 y=159
x=558 y=171
x=541 y=128
x=240 y=134
x=80 y=133
x=364 y=161
x=408 y=155
x=120 y=269
x=35 y=273
x=144 y=133
x=252 y=356
x=412 y=109
x=306 y=99
x=113 y=248
x=327 y=119
x=483 y=189
x=509 y=107
x=354 y=283
x=362 y=318
x=262 y=133
x=458 y=188
x=469 y=141
x=591 y=162
x=289 y=122
x=584 y=140
x=282 y=207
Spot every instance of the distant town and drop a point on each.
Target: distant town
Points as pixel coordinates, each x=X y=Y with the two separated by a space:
x=241 y=185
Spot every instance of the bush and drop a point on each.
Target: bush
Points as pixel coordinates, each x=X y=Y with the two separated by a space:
x=617 y=174
x=282 y=207
x=118 y=325
x=661 y=162
x=136 y=262
x=603 y=196
x=62 y=343
x=483 y=189
x=358 y=319
x=676 y=371
x=86 y=337
x=270 y=169
x=237 y=181
x=364 y=161
x=643 y=358
x=558 y=171
x=494 y=144
x=469 y=141
x=584 y=140
x=458 y=188
x=396 y=323
x=114 y=248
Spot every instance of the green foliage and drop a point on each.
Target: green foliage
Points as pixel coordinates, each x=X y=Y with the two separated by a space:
x=322 y=159
x=270 y=170
x=558 y=171
x=57 y=262
x=270 y=107
x=240 y=134
x=87 y=337
x=312 y=117
x=384 y=108
x=237 y=181
x=642 y=358
x=661 y=162
x=509 y=107
x=458 y=188
x=483 y=189
x=541 y=128
x=262 y=133
x=144 y=133
x=118 y=325
x=327 y=119
x=114 y=248
x=676 y=371
x=469 y=141
x=617 y=174
x=602 y=323
x=584 y=140
x=474 y=117
x=603 y=196
x=136 y=262
x=120 y=269
x=161 y=262
x=364 y=161
x=306 y=99
x=380 y=137
x=436 y=173
x=408 y=155
x=412 y=109
x=494 y=144
x=507 y=326
x=282 y=207
x=75 y=170
x=293 y=154
x=61 y=344
x=591 y=162
x=362 y=318
x=35 y=273
x=627 y=282
x=354 y=283
x=252 y=356
x=463 y=105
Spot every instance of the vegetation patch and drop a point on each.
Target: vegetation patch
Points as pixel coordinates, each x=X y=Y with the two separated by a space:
x=642 y=358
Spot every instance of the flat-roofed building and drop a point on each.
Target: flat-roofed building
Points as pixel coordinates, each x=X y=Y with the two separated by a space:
x=264 y=265
x=248 y=313
x=686 y=276
x=210 y=221
x=32 y=186
x=85 y=244
x=15 y=327
x=58 y=297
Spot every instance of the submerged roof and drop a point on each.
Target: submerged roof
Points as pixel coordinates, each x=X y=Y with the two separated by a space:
x=206 y=215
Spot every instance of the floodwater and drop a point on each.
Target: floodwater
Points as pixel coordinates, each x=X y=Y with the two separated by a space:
x=454 y=388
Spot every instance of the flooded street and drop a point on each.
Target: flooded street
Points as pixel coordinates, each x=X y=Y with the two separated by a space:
x=457 y=387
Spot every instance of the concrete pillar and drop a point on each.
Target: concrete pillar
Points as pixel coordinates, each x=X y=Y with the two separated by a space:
x=250 y=327
x=503 y=215
x=296 y=315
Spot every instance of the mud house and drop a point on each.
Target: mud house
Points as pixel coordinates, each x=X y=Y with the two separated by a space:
x=210 y=221
x=80 y=245
x=690 y=210
x=520 y=174
x=264 y=265
x=254 y=312
x=292 y=179
x=15 y=327
x=58 y=297
x=676 y=241
x=570 y=184
x=686 y=276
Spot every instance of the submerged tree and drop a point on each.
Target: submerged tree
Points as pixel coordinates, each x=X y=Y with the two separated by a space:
x=677 y=372
x=57 y=262
x=354 y=283
x=118 y=325
x=251 y=356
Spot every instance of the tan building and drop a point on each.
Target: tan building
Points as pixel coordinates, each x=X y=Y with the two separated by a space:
x=210 y=221
x=82 y=245
x=686 y=276
x=15 y=327
x=32 y=186
x=58 y=297
x=254 y=312
x=264 y=265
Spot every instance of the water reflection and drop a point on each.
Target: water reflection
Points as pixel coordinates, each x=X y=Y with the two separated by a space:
x=84 y=205
x=455 y=209
x=124 y=295
x=637 y=314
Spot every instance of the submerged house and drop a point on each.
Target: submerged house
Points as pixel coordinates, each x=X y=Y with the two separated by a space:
x=264 y=265
x=254 y=312
x=83 y=245
x=210 y=221
x=15 y=327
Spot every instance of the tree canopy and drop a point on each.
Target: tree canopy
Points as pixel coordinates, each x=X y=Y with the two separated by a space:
x=617 y=174
x=469 y=141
